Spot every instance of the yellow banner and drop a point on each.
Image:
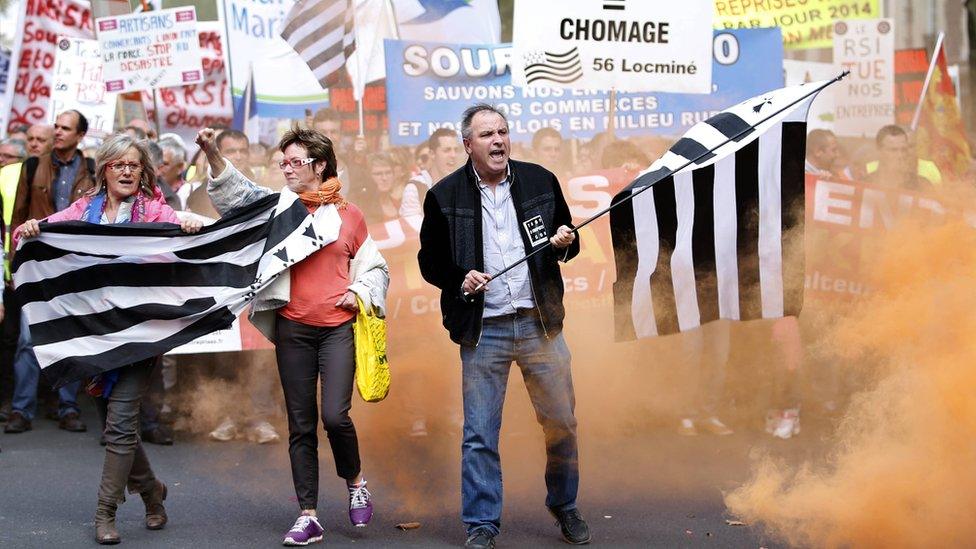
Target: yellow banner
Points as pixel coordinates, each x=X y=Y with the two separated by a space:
x=806 y=24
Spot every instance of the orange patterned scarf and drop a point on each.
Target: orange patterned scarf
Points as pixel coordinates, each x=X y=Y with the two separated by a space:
x=327 y=193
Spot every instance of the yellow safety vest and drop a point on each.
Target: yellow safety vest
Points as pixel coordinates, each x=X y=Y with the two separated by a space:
x=926 y=169
x=9 y=178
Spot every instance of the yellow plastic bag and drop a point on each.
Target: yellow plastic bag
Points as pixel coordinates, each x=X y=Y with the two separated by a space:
x=372 y=369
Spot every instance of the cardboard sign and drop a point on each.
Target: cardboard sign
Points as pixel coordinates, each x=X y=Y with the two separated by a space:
x=805 y=24
x=429 y=85
x=79 y=85
x=183 y=110
x=627 y=45
x=149 y=50
x=865 y=100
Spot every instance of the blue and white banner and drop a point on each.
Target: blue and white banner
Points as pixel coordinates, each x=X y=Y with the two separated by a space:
x=428 y=86
x=284 y=86
x=468 y=21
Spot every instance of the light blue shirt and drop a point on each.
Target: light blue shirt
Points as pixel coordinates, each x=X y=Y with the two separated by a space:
x=502 y=247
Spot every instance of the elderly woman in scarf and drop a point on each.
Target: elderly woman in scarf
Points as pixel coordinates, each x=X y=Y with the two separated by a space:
x=125 y=192
x=309 y=318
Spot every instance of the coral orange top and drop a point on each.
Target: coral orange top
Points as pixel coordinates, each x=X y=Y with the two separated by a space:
x=321 y=279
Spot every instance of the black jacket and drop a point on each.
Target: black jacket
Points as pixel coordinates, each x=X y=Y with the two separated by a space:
x=451 y=245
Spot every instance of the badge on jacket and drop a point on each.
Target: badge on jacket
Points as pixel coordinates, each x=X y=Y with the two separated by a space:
x=536 y=230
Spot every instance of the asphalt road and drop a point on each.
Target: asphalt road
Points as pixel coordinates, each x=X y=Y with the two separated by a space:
x=640 y=488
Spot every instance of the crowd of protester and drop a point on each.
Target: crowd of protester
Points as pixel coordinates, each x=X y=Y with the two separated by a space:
x=43 y=169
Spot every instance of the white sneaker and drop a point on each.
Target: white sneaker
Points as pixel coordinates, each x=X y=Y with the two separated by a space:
x=789 y=424
x=262 y=432
x=226 y=431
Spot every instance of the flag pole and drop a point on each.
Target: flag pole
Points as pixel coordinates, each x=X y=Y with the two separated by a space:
x=928 y=80
x=695 y=160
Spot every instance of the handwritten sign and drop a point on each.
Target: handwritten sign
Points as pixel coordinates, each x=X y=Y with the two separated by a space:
x=34 y=49
x=79 y=85
x=150 y=50
x=864 y=101
x=183 y=110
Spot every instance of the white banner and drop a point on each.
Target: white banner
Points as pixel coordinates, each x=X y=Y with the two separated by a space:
x=150 y=50
x=284 y=85
x=79 y=84
x=628 y=45
x=865 y=100
x=454 y=21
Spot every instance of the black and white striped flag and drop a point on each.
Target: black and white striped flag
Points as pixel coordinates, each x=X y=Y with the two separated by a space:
x=709 y=239
x=102 y=296
x=321 y=32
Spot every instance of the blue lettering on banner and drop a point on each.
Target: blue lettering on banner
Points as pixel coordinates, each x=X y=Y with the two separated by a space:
x=428 y=85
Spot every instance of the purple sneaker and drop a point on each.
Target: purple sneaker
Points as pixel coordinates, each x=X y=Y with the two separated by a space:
x=306 y=530
x=360 y=505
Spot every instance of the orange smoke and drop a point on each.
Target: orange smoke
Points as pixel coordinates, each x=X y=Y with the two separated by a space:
x=901 y=472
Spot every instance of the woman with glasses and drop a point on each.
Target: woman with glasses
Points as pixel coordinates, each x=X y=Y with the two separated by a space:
x=125 y=192
x=309 y=318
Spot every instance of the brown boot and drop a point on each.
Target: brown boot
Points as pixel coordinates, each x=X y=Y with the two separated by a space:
x=105 y=531
x=111 y=491
x=155 y=512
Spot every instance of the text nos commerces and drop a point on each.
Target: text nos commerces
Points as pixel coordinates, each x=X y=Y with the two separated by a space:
x=599 y=30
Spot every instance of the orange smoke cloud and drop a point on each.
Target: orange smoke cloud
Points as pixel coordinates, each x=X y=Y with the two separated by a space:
x=901 y=472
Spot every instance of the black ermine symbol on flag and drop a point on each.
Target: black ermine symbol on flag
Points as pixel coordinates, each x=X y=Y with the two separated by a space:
x=616 y=5
x=759 y=107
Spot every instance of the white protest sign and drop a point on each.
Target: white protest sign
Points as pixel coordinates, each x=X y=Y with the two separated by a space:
x=150 y=50
x=865 y=100
x=78 y=84
x=628 y=45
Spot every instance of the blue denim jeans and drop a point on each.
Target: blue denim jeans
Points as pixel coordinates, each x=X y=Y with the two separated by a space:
x=545 y=365
x=27 y=373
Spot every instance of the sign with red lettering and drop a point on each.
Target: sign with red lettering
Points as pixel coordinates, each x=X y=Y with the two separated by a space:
x=79 y=85
x=28 y=98
x=150 y=50
x=183 y=110
x=845 y=219
x=865 y=100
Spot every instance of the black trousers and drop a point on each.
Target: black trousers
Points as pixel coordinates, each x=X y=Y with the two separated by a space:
x=304 y=354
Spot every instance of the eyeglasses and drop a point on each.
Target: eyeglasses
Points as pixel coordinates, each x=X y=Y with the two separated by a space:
x=295 y=163
x=120 y=167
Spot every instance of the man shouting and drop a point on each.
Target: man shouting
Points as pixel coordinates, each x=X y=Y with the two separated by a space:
x=480 y=219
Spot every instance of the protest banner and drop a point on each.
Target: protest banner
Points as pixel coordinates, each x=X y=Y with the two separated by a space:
x=626 y=45
x=5 y=71
x=429 y=85
x=468 y=22
x=150 y=50
x=27 y=99
x=283 y=84
x=910 y=68
x=821 y=113
x=865 y=100
x=79 y=85
x=805 y=24
x=183 y=110
x=844 y=222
